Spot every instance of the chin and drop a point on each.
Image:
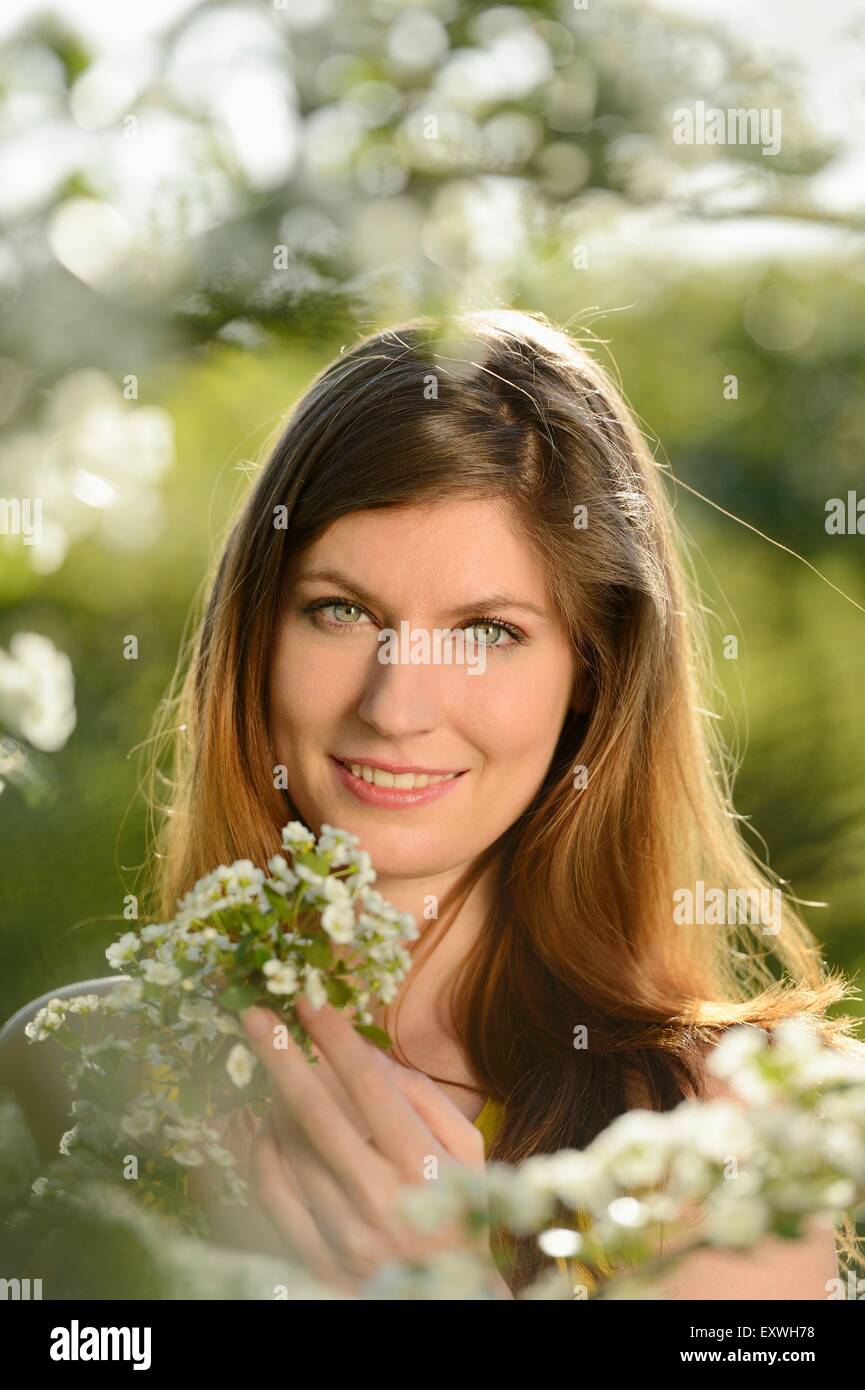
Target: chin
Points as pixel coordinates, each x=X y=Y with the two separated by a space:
x=398 y=852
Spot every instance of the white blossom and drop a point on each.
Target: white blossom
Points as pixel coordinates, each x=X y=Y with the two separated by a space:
x=339 y=922
x=158 y=972
x=124 y=995
x=560 y=1243
x=314 y=987
x=635 y=1148
x=188 y=1157
x=156 y=931
x=314 y=881
x=240 y=1065
x=736 y=1221
x=715 y=1129
x=197 y=1011
x=284 y=879
x=139 y=1122
x=574 y=1176
x=281 y=977
x=68 y=1139
x=336 y=891
x=297 y=837
x=364 y=874
x=336 y=844
x=46 y=1021
x=83 y=1004
x=121 y=952
x=37 y=691
x=737 y=1047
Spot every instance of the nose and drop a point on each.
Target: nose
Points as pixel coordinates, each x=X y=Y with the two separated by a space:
x=400 y=700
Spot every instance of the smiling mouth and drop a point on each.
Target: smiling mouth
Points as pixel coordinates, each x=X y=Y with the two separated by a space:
x=399 y=779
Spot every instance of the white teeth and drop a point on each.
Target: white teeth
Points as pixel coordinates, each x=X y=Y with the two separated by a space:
x=400 y=781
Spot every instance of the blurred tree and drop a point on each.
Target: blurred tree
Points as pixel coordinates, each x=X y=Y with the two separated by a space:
x=294 y=168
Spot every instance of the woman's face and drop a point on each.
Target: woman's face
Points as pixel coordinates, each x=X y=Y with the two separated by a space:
x=487 y=721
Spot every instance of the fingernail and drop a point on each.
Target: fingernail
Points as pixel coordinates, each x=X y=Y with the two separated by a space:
x=256 y=1022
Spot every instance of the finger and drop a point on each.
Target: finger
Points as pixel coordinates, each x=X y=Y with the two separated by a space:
x=335 y=1088
x=369 y=1077
x=280 y=1199
x=358 y=1246
x=459 y=1136
x=362 y=1171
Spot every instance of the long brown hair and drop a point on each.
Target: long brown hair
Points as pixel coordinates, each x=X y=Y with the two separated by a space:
x=502 y=404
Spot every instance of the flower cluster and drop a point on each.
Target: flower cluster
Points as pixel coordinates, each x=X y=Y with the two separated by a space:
x=161 y=1062
x=789 y=1148
x=37 y=691
x=37 y=704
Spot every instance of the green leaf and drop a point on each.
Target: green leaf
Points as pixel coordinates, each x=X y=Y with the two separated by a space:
x=252 y=961
x=320 y=955
x=316 y=862
x=338 y=993
x=282 y=904
x=238 y=997
x=375 y=1035
x=787 y=1225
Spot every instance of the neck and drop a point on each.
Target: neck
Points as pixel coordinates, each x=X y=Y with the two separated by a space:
x=442 y=950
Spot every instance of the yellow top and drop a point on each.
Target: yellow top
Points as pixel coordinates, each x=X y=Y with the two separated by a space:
x=488 y=1122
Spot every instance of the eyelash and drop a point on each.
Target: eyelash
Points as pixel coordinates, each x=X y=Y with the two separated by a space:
x=482 y=620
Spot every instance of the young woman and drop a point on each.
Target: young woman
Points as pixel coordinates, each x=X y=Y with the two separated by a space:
x=540 y=811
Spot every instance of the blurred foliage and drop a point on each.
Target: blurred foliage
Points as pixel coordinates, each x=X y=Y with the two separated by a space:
x=101 y=1242
x=147 y=190
x=388 y=147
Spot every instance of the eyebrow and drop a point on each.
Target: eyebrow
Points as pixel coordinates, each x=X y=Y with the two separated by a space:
x=480 y=605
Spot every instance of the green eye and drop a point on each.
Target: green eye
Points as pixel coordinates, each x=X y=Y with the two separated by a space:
x=495 y=633
x=344 y=606
x=482 y=630
x=329 y=613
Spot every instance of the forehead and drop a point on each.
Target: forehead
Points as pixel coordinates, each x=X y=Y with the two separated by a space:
x=452 y=551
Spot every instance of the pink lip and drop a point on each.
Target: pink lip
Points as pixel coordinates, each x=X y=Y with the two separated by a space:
x=393 y=796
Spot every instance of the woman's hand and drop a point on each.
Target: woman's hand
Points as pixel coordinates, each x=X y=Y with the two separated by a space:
x=326 y=1173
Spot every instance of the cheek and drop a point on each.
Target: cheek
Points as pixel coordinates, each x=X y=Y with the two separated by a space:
x=310 y=683
x=515 y=715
